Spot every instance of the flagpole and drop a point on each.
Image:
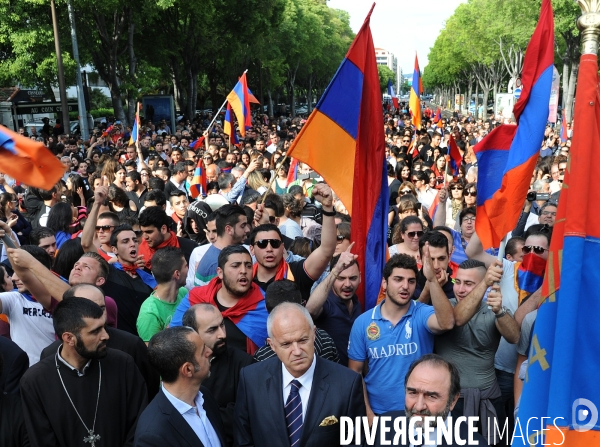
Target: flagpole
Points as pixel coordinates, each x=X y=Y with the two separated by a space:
x=221 y=108
x=137 y=137
x=229 y=140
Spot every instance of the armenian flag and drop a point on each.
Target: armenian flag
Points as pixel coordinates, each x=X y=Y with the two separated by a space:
x=437 y=119
x=229 y=128
x=455 y=157
x=414 y=102
x=27 y=161
x=197 y=143
x=239 y=99
x=252 y=98
x=135 y=130
x=293 y=171
x=343 y=140
x=392 y=93
x=529 y=275
x=198 y=183
x=561 y=387
x=513 y=150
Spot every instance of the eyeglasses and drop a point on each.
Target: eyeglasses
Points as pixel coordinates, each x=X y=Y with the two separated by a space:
x=263 y=243
x=469 y=219
x=144 y=174
x=405 y=191
x=471 y=194
x=104 y=227
x=414 y=234
x=536 y=249
x=456 y=188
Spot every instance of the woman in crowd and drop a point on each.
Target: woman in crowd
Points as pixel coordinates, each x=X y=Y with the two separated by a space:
x=470 y=195
x=119 y=203
x=257 y=182
x=60 y=219
x=76 y=190
x=69 y=253
x=280 y=184
x=403 y=171
x=455 y=204
x=406 y=238
x=8 y=208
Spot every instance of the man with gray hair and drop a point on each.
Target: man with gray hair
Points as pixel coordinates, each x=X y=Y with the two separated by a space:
x=232 y=187
x=274 y=398
x=177 y=180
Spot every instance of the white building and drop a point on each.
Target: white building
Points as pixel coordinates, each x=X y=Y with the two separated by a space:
x=385 y=57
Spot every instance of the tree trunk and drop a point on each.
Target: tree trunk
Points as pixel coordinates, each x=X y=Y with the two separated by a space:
x=476 y=112
x=571 y=91
x=565 y=83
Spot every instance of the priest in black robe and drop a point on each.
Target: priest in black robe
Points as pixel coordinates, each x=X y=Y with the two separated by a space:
x=86 y=394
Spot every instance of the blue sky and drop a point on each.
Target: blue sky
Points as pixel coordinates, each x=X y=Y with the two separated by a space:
x=401 y=26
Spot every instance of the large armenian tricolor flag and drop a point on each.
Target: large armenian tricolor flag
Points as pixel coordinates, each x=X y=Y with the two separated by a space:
x=561 y=386
x=239 y=98
x=414 y=102
x=513 y=150
x=343 y=140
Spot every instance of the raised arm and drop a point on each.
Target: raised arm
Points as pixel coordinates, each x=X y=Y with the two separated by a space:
x=475 y=250
x=440 y=215
x=89 y=229
x=505 y=322
x=443 y=318
x=317 y=299
x=468 y=306
x=317 y=262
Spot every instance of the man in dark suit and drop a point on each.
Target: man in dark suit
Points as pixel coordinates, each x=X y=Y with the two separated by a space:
x=298 y=398
x=183 y=413
x=432 y=387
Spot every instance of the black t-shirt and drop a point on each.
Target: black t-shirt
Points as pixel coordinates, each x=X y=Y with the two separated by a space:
x=129 y=293
x=235 y=337
x=301 y=278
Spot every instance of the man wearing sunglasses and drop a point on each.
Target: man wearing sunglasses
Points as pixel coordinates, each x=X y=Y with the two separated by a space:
x=514 y=294
x=98 y=228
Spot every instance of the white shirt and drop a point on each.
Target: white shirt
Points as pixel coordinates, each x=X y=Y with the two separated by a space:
x=196 y=418
x=305 y=380
x=427 y=197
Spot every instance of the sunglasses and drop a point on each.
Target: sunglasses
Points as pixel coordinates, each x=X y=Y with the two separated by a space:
x=405 y=191
x=414 y=234
x=263 y=243
x=471 y=194
x=104 y=227
x=138 y=233
x=406 y=141
x=536 y=249
x=456 y=188
x=339 y=238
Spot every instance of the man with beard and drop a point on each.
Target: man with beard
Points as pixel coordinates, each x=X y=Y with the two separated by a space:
x=236 y=296
x=184 y=413
x=334 y=304
x=86 y=392
x=398 y=331
x=226 y=363
x=429 y=376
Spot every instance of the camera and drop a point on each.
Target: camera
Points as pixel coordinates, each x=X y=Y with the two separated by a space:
x=533 y=196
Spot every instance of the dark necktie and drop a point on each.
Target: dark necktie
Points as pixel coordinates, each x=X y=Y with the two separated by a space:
x=293 y=414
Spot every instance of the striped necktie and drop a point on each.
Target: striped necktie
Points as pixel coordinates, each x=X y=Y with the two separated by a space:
x=293 y=414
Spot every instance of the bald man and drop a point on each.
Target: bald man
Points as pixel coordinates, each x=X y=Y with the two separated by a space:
x=212 y=173
x=226 y=363
x=266 y=388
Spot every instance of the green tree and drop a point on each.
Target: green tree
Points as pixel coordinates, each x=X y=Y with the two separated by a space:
x=385 y=73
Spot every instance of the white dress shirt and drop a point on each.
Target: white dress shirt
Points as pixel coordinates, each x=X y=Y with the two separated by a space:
x=196 y=419
x=305 y=379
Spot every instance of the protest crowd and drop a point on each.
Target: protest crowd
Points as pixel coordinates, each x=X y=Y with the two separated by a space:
x=191 y=283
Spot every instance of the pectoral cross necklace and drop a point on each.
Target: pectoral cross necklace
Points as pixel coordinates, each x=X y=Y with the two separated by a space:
x=92 y=437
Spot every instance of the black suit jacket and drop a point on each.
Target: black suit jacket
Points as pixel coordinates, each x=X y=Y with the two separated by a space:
x=259 y=415
x=161 y=425
x=463 y=430
x=16 y=363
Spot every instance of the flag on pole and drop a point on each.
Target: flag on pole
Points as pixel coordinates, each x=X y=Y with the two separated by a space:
x=437 y=119
x=343 y=140
x=197 y=143
x=252 y=98
x=28 y=161
x=135 y=130
x=229 y=128
x=455 y=159
x=239 y=99
x=561 y=383
x=563 y=128
x=293 y=171
x=414 y=102
x=198 y=183
x=513 y=150
x=392 y=93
